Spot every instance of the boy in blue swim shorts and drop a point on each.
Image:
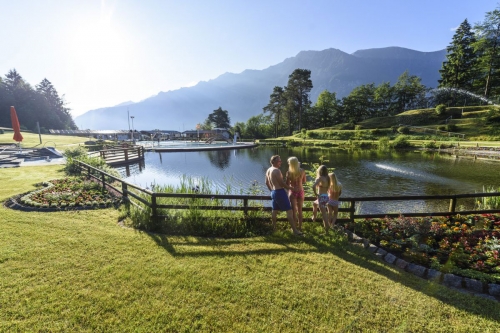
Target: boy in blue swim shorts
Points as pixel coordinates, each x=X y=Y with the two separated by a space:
x=277 y=186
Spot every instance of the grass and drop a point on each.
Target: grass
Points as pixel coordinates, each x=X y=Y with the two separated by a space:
x=80 y=271
x=31 y=140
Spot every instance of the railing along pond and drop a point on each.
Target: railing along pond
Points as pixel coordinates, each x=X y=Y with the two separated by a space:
x=246 y=200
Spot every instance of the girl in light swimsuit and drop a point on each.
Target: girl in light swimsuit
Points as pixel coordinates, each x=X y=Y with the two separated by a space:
x=334 y=192
x=320 y=189
x=295 y=177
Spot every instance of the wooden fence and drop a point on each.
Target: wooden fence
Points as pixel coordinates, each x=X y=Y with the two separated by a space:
x=246 y=203
x=124 y=155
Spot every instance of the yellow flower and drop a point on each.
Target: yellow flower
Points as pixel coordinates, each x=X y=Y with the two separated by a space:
x=456 y=228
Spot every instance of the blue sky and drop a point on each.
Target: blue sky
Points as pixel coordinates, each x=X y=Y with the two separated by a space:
x=102 y=53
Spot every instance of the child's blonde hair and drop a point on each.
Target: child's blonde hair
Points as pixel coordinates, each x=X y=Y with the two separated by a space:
x=294 y=171
x=335 y=185
x=323 y=172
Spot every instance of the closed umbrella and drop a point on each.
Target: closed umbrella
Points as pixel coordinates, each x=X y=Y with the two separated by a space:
x=15 y=126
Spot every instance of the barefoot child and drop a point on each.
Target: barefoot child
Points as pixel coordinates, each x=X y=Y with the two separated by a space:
x=296 y=177
x=320 y=189
x=334 y=193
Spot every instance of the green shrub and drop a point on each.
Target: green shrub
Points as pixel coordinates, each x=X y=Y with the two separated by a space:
x=401 y=141
x=430 y=145
x=384 y=143
x=451 y=128
x=440 y=109
x=493 y=116
x=404 y=130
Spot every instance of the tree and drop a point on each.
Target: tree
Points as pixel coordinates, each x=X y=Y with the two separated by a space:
x=42 y=105
x=259 y=126
x=409 y=92
x=239 y=127
x=458 y=70
x=220 y=118
x=297 y=96
x=323 y=113
x=359 y=104
x=488 y=48
x=207 y=125
x=385 y=99
x=276 y=108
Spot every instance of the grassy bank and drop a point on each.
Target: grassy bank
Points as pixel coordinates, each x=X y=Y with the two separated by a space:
x=30 y=140
x=80 y=271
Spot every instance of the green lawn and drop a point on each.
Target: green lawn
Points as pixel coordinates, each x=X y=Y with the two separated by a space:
x=82 y=272
x=30 y=140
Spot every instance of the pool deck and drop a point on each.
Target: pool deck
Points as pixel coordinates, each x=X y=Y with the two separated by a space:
x=199 y=147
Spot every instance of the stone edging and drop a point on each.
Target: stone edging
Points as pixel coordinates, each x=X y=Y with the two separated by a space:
x=490 y=291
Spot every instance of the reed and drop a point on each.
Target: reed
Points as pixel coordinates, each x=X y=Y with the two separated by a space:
x=195 y=221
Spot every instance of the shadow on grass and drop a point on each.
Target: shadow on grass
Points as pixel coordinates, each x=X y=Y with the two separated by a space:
x=336 y=244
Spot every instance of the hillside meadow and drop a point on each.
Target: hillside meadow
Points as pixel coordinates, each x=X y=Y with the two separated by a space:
x=81 y=271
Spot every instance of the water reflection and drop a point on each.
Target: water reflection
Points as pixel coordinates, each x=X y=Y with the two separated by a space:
x=362 y=172
x=220 y=158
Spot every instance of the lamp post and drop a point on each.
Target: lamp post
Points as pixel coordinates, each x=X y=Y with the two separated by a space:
x=133 y=136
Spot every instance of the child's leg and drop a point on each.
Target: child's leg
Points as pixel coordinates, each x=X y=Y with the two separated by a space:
x=330 y=215
x=315 y=210
x=324 y=213
x=335 y=214
x=300 y=203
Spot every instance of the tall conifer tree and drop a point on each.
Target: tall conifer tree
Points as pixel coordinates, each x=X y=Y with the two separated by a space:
x=458 y=69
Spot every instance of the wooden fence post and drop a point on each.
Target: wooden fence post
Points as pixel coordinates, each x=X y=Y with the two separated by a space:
x=154 y=206
x=88 y=172
x=126 y=154
x=352 y=210
x=453 y=204
x=103 y=181
x=124 y=192
x=245 y=206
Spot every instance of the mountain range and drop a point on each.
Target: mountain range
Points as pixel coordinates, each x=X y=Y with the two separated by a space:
x=245 y=94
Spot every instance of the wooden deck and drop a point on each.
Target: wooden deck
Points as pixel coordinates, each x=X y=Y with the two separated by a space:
x=125 y=155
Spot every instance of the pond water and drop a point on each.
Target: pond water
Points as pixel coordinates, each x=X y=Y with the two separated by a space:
x=363 y=173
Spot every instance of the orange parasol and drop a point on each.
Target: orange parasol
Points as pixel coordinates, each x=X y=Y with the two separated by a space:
x=15 y=125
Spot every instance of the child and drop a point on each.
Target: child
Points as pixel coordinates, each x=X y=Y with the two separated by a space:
x=295 y=177
x=320 y=189
x=334 y=193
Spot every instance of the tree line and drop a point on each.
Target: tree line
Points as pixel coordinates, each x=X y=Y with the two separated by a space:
x=472 y=65
x=40 y=104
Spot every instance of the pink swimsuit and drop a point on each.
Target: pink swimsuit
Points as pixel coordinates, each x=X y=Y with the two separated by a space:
x=298 y=194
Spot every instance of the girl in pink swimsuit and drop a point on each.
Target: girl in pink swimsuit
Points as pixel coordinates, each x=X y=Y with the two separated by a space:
x=295 y=177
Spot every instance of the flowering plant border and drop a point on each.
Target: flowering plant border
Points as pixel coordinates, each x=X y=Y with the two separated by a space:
x=464 y=245
x=67 y=194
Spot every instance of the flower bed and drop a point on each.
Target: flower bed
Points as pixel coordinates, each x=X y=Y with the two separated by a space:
x=69 y=193
x=464 y=245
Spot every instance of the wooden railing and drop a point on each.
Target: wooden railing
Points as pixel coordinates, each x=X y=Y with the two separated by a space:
x=131 y=192
x=123 y=155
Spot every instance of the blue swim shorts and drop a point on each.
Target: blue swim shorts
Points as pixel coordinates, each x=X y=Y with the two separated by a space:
x=280 y=200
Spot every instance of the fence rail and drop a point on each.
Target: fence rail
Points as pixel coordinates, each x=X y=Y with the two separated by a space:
x=116 y=156
x=246 y=201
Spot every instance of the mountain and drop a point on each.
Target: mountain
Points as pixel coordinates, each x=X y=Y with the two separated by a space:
x=245 y=94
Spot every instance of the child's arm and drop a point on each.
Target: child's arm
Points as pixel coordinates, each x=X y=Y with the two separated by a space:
x=316 y=182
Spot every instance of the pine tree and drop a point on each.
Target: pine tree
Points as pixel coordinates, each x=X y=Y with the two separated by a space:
x=487 y=47
x=458 y=70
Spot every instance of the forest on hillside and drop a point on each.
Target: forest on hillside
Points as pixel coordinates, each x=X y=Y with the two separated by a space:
x=40 y=104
